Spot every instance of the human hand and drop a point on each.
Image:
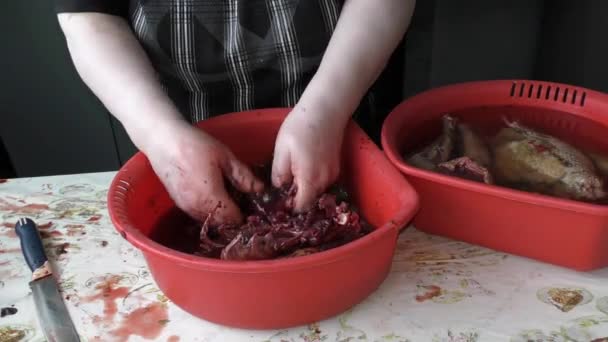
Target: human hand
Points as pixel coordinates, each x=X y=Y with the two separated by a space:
x=307 y=153
x=192 y=165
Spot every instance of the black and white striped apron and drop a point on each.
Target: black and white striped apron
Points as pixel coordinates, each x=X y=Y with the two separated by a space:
x=216 y=56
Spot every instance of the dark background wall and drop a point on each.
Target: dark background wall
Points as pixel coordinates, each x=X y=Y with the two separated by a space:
x=466 y=40
x=50 y=123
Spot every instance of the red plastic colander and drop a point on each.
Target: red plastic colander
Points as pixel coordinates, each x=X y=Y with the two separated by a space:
x=269 y=294
x=558 y=231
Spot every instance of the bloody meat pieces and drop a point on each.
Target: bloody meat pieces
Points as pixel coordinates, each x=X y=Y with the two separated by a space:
x=440 y=150
x=459 y=152
x=466 y=168
x=272 y=230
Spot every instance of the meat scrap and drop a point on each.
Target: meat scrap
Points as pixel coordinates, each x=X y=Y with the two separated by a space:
x=440 y=150
x=466 y=168
x=459 y=152
x=272 y=230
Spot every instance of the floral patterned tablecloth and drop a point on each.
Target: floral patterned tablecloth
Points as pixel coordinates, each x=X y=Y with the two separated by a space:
x=438 y=289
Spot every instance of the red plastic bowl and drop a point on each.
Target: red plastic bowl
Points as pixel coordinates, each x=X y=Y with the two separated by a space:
x=562 y=232
x=269 y=294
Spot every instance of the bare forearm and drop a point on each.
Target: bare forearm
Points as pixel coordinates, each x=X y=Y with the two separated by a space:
x=364 y=39
x=114 y=66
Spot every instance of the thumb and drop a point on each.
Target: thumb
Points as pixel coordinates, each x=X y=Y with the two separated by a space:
x=213 y=202
x=225 y=210
x=305 y=195
x=281 y=168
x=216 y=205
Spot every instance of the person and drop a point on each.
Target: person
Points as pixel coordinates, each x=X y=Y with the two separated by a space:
x=156 y=64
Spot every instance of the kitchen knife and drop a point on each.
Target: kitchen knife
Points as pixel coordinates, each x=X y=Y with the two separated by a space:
x=52 y=312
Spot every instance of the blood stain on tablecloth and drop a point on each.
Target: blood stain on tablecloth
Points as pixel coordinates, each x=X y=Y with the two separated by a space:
x=147 y=322
x=94 y=218
x=51 y=234
x=173 y=339
x=10 y=250
x=109 y=293
x=32 y=208
x=46 y=225
x=62 y=249
x=43 y=230
x=431 y=291
x=75 y=229
x=2 y=180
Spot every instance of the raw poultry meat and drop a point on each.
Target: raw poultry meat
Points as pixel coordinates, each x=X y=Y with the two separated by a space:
x=541 y=163
x=472 y=146
x=517 y=157
x=459 y=151
x=440 y=150
x=273 y=230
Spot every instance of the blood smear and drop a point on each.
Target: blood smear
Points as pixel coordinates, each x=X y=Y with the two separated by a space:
x=109 y=293
x=147 y=322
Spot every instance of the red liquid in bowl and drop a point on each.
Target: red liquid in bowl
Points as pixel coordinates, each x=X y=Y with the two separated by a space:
x=178 y=231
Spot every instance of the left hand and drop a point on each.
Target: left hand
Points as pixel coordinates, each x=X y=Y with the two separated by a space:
x=308 y=152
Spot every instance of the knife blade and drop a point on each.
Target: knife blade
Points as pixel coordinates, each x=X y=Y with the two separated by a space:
x=53 y=315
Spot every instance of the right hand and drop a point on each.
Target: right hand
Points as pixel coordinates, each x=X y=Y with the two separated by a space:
x=192 y=165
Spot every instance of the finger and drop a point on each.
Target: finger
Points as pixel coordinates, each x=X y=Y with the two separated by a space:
x=191 y=205
x=216 y=206
x=315 y=181
x=307 y=190
x=241 y=176
x=220 y=213
x=304 y=196
x=205 y=198
x=281 y=168
x=225 y=211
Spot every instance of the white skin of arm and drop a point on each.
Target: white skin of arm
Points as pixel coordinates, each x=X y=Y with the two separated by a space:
x=308 y=147
x=113 y=64
x=366 y=35
x=190 y=163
